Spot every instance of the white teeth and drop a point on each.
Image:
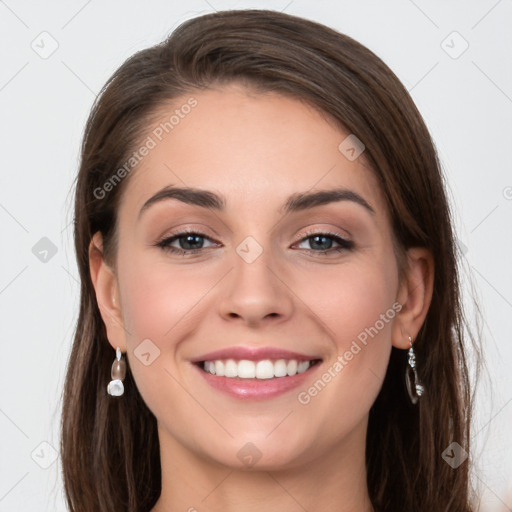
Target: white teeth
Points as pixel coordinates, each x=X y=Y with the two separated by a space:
x=280 y=368
x=219 y=368
x=230 y=368
x=265 y=369
x=291 y=367
x=246 y=369
x=302 y=366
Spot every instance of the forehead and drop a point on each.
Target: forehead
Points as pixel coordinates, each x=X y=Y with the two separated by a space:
x=253 y=148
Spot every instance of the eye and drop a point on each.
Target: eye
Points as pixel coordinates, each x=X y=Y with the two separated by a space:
x=321 y=243
x=192 y=242
x=189 y=242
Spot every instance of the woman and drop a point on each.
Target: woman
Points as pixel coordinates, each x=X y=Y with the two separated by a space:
x=270 y=315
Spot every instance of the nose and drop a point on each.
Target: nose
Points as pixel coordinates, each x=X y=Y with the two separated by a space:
x=256 y=291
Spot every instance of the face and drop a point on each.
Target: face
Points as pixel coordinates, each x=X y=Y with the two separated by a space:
x=257 y=277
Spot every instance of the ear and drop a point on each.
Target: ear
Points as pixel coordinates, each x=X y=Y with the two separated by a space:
x=415 y=295
x=106 y=287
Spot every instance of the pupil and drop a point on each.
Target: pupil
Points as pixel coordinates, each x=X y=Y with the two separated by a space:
x=321 y=237
x=191 y=239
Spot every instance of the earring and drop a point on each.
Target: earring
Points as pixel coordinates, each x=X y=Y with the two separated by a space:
x=414 y=386
x=115 y=386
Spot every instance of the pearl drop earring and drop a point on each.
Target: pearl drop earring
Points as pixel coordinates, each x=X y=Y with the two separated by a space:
x=118 y=372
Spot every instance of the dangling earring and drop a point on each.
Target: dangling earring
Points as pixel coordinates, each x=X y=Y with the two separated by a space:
x=414 y=386
x=115 y=386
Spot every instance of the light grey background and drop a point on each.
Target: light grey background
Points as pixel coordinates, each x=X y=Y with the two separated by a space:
x=464 y=96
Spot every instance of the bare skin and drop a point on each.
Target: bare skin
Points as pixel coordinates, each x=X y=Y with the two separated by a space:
x=256 y=150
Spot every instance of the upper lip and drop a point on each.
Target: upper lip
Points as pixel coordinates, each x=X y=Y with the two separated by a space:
x=253 y=354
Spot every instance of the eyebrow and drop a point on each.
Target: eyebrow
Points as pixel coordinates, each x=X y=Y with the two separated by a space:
x=295 y=203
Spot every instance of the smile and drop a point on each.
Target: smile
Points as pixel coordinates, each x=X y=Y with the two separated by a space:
x=256 y=380
x=263 y=370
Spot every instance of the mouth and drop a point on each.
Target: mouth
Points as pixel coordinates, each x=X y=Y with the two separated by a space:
x=264 y=369
x=256 y=379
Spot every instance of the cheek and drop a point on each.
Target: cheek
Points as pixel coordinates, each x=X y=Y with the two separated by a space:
x=158 y=300
x=158 y=306
x=356 y=306
x=352 y=300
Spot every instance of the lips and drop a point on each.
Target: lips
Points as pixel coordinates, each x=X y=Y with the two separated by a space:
x=250 y=373
x=254 y=354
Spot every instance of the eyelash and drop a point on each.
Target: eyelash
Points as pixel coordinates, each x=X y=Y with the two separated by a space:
x=344 y=245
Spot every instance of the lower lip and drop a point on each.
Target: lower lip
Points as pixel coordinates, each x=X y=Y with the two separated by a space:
x=256 y=389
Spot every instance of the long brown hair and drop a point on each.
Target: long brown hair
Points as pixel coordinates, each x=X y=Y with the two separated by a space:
x=110 y=448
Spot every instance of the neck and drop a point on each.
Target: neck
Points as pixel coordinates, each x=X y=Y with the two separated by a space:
x=332 y=482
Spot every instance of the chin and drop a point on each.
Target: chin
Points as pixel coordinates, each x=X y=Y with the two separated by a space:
x=259 y=454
